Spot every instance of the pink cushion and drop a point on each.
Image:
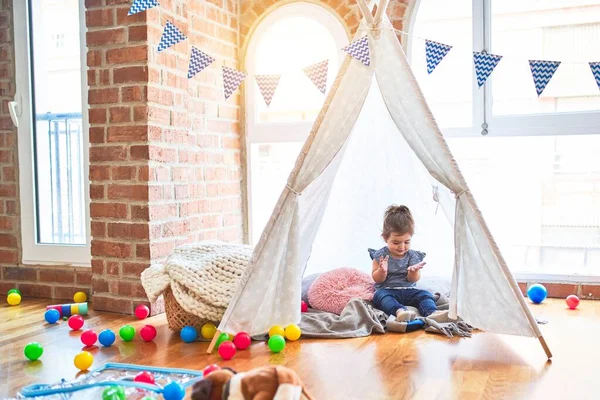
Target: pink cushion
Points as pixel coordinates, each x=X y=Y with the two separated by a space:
x=334 y=289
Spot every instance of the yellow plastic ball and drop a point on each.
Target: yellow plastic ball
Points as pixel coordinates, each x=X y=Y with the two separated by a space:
x=83 y=361
x=231 y=337
x=276 y=330
x=80 y=297
x=14 y=299
x=292 y=332
x=208 y=331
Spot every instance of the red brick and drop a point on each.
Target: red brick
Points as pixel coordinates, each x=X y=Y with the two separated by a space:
x=139 y=212
x=104 y=77
x=134 y=269
x=94 y=58
x=133 y=93
x=124 y=19
x=123 y=172
x=57 y=275
x=128 y=231
x=100 y=17
x=162 y=155
x=103 y=96
x=112 y=304
x=120 y=114
x=9 y=256
x=139 y=152
x=111 y=249
x=97 y=134
x=590 y=291
x=108 y=153
x=65 y=292
x=97 y=115
x=142 y=250
x=106 y=36
x=127 y=55
x=98 y=229
x=108 y=210
x=35 y=290
x=138 y=34
x=113 y=268
x=84 y=278
x=523 y=287
x=98 y=286
x=99 y=172
x=560 y=290
x=130 y=133
x=128 y=192
x=96 y=191
x=19 y=274
x=93 y=3
x=8 y=240
x=97 y=266
x=130 y=74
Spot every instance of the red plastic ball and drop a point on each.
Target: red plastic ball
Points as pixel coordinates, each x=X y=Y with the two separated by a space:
x=89 y=337
x=210 y=368
x=572 y=301
x=303 y=306
x=148 y=333
x=242 y=340
x=75 y=322
x=142 y=311
x=227 y=350
x=145 y=377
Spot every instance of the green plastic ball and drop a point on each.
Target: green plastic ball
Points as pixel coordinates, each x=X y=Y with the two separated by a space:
x=33 y=351
x=276 y=343
x=65 y=318
x=14 y=291
x=222 y=338
x=113 y=393
x=127 y=333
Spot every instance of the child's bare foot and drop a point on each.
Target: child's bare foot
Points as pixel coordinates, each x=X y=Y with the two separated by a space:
x=404 y=315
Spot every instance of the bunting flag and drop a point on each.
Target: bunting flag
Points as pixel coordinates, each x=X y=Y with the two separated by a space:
x=542 y=71
x=267 y=85
x=198 y=61
x=359 y=49
x=141 y=5
x=232 y=79
x=434 y=53
x=595 y=67
x=171 y=36
x=484 y=65
x=317 y=73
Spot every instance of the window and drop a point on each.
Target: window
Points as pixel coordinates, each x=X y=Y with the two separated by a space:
x=53 y=143
x=535 y=174
x=289 y=39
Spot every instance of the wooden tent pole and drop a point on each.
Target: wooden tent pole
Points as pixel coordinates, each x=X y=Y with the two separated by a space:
x=380 y=11
x=365 y=10
x=213 y=342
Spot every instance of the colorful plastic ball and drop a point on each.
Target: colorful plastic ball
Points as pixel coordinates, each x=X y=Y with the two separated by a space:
x=148 y=333
x=188 y=334
x=80 y=297
x=208 y=331
x=173 y=391
x=51 y=316
x=537 y=293
x=292 y=332
x=276 y=330
x=242 y=340
x=127 y=333
x=210 y=368
x=75 y=322
x=572 y=301
x=65 y=318
x=222 y=338
x=15 y=290
x=33 y=351
x=303 y=306
x=89 y=337
x=276 y=343
x=142 y=311
x=14 y=299
x=106 y=337
x=227 y=350
x=145 y=377
x=83 y=361
x=113 y=393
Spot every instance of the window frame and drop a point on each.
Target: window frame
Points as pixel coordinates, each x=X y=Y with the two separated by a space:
x=270 y=132
x=34 y=253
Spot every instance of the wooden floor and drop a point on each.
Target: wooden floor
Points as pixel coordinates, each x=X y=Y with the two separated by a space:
x=391 y=366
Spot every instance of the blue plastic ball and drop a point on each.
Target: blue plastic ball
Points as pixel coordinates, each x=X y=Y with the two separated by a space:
x=173 y=391
x=188 y=334
x=52 y=316
x=537 y=293
x=106 y=337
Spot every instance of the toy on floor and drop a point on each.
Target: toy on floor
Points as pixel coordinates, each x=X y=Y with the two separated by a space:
x=276 y=330
x=537 y=293
x=242 y=340
x=188 y=334
x=33 y=351
x=89 y=337
x=106 y=338
x=75 y=322
x=222 y=338
x=572 y=301
x=93 y=384
x=145 y=377
x=113 y=393
x=83 y=361
x=127 y=333
x=148 y=333
x=303 y=306
x=208 y=331
x=51 y=316
x=227 y=350
x=269 y=382
x=292 y=332
x=13 y=299
x=142 y=311
x=14 y=290
x=210 y=368
x=80 y=297
x=66 y=310
x=276 y=343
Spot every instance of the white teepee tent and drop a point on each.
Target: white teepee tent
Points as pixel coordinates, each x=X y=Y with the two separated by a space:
x=375 y=143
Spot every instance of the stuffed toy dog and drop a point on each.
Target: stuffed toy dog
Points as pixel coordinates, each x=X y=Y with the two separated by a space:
x=263 y=383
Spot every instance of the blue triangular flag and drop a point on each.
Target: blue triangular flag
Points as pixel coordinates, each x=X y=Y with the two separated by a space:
x=434 y=53
x=141 y=5
x=595 y=67
x=542 y=71
x=359 y=49
x=484 y=65
x=171 y=35
x=198 y=61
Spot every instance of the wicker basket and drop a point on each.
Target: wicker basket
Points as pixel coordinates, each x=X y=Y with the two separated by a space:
x=177 y=317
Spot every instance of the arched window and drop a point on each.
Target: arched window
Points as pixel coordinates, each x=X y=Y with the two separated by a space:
x=289 y=39
x=532 y=161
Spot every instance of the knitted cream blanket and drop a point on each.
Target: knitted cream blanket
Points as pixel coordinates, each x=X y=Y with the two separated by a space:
x=203 y=276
